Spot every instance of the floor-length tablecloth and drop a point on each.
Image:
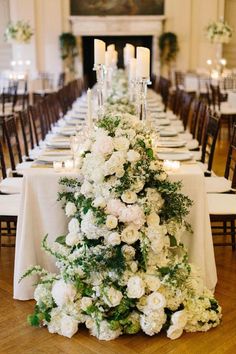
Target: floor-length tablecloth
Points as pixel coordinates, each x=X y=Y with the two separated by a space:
x=41 y=214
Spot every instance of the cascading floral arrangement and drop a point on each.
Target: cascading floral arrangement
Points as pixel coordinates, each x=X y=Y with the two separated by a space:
x=19 y=32
x=123 y=267
x=219 y=32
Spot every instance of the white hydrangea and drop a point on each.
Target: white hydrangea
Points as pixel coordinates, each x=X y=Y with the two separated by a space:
x=63 y=292
x=42 y=294
x=152 y=322
x=70 y=209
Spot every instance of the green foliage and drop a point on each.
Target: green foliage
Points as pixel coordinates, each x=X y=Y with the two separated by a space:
x=109 y=124
x=169 y=47
x=41 y=313
x=68 y=45
x=61 y=240
x=121 y=311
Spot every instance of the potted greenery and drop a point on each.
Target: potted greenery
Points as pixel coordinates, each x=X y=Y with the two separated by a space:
x=68 y=47
x=169 y=47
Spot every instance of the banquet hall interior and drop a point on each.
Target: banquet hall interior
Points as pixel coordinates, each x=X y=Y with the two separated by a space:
x=117 y=176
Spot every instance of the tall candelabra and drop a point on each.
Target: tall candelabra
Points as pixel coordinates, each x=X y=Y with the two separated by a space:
x=142 y=97
x=101 y=79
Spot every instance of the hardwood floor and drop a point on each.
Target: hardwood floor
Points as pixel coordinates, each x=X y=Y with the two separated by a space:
x=17 y=337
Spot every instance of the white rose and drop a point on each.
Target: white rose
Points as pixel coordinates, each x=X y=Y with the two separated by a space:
x=70 y=209
x=161 y=177
x=128 y=252
x=130 y=234
x=73 y=239
x=179 y=318
x=103 y=145
x=113 y=239
x=174 y=332
x=153 y=219
x=69 y=326
x=155 y=301
x=133 y=266
x=99 y=202
x=152 y=281
x=121 y=143
x=86 y=188
x=104 y=332
x=129 y=197
x=138 y=185
x=112 y=297
x=85 y=302
x=111 y=222
x=120 y=172
x=133 y=156
x=74 y=226
x=155 y=165
x=135 y=287
x=63 y=292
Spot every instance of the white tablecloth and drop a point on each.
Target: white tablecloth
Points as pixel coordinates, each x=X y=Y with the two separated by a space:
x=41 y=214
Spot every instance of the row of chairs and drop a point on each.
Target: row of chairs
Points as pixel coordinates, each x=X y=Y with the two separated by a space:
x=22 y=134
x=203 y=125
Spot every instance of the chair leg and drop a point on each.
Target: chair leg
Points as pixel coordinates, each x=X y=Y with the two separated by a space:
x=233 y=234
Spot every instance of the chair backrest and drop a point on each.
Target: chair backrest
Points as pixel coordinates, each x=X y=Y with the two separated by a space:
x=2 y=162
x=230 y=168
x=194 y=116
x=215 y=96
x=10 y=132
x=27 y=130
x=209 y=140
x=164 y=86
x=201 y=122
x=185 y=108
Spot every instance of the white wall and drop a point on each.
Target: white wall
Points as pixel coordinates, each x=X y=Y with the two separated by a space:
x=229 y=51
x=5 y=49
x=49 y=18
x=188 y=18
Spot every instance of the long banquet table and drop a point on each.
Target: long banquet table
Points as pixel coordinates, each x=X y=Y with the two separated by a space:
x=41 y=214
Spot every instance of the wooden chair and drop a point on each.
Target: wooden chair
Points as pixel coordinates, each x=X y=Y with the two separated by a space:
x=209 y=142
x=222 y=206
x=9 y=205
x=8 y=185
x=185 y=108
x=217 y=184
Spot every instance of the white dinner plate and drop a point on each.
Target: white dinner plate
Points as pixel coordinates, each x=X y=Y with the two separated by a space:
x=162 y=122
x=158 y=115
x=58 y=144
x=171 y=143
x=174 y=156
x=67 y=131
x=168 y=133
x=51 y=159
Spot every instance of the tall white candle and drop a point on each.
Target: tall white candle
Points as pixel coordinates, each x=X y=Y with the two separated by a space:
x=143 y=63
x=128 y=53
x=132 y=69
x=115 y=57
x=108 y=58
x=89 y=112
x=111 y=48
x=99 y=51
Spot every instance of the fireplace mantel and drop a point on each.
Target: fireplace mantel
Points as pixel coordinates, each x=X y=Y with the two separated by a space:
x=120 y=26
x=117 y=25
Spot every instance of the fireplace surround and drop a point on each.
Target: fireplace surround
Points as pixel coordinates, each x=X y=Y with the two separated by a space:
x=141 y=27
